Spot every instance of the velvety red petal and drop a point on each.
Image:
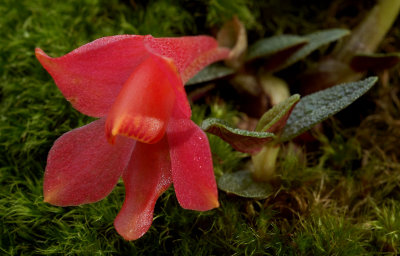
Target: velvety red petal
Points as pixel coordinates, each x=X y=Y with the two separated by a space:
x=170 y=71
x=147 y=176
x=91 y=76
x=190 y=53
x=204 y=60
x=144 y=105
x=191 y=162
x=82 y=167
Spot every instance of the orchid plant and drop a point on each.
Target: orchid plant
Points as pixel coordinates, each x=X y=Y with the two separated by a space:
x=291 y=116
x=281 y=123
x=134 y=85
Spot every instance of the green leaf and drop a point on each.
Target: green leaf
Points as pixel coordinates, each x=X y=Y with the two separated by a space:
x=275 y=119
x=315 y=40
x=273 y=45
x=212 y=72
x=242 y=184
x=380 y=61
x=317 y=107
x=242 y=140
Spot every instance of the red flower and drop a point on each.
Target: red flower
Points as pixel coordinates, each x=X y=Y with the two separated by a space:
x=135 y=85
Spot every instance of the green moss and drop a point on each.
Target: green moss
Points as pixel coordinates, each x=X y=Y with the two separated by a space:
x=331 y=234
x=342 y=152
x=165 y=18
x=386 y=226
x=220 y=11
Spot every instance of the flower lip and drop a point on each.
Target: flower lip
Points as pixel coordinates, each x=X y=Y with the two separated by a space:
x=143 y=107
x=142 y=128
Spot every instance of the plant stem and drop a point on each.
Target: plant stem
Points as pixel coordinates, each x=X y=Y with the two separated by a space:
x=264 y=163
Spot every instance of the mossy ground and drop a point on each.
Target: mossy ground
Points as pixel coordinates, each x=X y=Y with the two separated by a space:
x=341 y=199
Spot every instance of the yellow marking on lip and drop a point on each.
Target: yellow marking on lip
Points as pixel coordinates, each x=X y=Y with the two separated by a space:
x=141 y=128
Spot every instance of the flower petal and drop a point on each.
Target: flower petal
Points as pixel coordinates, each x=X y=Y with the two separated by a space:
x=190 y=53
x=147 y=176
x=82 y=167
x=192 y=169
x=91 y=76
x=144 y=105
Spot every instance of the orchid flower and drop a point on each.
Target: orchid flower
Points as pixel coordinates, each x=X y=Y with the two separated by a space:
x=134 y=84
